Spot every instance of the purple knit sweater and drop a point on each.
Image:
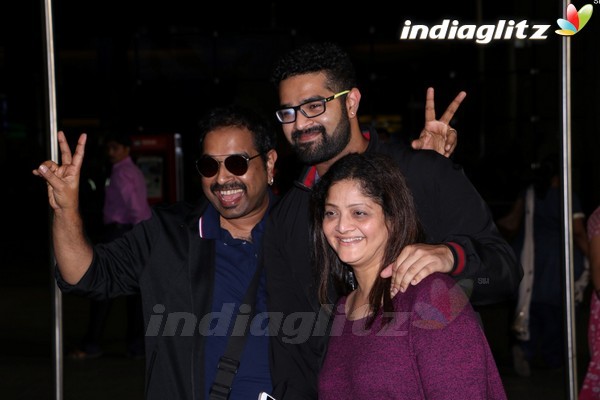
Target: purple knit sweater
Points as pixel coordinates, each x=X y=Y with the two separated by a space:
x=434 y=348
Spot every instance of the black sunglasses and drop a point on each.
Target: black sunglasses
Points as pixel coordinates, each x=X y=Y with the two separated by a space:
x=237 y=164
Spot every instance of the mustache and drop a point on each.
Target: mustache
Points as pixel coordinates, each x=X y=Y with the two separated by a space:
x=315 y=129
x=216 y=187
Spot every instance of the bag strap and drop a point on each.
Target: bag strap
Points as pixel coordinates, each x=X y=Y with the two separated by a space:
x=230 y=361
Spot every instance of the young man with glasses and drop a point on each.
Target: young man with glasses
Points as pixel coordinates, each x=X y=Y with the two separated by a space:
x=319 y=100
x=192 y=264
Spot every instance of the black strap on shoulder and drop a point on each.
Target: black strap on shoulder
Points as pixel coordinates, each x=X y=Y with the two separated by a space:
x=230 y=361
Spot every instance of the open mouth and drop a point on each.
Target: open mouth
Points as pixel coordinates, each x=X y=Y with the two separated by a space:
x=230 y=197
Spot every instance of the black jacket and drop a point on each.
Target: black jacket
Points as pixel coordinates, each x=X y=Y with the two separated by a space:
x=165 y=259
x=450 y=209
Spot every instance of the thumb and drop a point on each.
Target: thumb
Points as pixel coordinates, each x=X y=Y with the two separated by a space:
x=387 y=271
x=41 y=171
x=417 y=144
x=47 y=174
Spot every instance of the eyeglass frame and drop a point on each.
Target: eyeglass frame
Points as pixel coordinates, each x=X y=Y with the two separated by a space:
x=219 y=162
x=299 y=107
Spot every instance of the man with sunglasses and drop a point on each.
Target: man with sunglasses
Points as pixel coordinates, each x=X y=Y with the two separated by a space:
x=319 y=100
x=192 y=264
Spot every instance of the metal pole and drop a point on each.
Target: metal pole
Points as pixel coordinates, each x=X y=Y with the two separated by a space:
x=57 y=348
x=567 y=215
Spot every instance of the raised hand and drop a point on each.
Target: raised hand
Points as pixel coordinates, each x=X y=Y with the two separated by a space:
x=72 y=251
x=63 y=179
x=438 y=135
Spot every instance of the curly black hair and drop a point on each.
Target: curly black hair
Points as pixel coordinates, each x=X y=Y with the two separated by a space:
x=242 y=117
x=326 y=57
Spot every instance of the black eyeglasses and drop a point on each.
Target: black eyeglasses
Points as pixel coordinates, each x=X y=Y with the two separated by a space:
x=237 y=164
x=310 y=109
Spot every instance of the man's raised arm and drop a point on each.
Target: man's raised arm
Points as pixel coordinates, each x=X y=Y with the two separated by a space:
x=72 y=250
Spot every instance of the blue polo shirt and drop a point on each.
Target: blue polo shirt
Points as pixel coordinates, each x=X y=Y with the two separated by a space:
x=235 y=264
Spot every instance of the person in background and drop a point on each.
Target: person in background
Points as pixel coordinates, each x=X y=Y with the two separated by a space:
x=590 y=390
x=428 y=338
x=318 y=109
x=535 y=224
x=125 y=205
x=192 y=263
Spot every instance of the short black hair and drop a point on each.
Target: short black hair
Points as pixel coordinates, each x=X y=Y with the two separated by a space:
x=118 y=137
x=243 y=117
x=325 y=57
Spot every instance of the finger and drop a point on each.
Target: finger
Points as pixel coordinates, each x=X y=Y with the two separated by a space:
x=419 y=268
x=51 y=165
x=79 y=151
x=65 y=151
x=423 y=140
x=406 y=279
x=399 y=269
x=451 y=140
x=417 y=144
x=45 y=172
x=430 y=105
x=423 y=273
x=449 y=113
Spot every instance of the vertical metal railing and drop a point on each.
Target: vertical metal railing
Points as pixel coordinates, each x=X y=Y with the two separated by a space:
x=570 y=339
x=57 y=348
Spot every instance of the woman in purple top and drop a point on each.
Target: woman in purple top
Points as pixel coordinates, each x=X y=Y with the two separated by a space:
x=425 y=343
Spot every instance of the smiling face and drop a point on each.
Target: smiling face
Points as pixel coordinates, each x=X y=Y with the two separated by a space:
x=320 y=138
x=355 y=226
x=233 y=196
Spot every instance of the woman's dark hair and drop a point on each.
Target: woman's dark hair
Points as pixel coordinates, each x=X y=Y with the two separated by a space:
x=380 y=179
x=239 y=116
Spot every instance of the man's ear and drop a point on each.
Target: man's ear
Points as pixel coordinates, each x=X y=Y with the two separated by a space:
x=271 y=159
x=352 y=102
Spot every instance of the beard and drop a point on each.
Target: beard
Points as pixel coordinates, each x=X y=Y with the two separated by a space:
x=325 y=148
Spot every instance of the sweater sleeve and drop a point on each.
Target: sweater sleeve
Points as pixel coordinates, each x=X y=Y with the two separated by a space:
x=451 y=355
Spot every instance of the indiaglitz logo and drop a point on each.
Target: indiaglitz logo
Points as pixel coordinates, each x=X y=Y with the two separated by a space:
x=504 y=29
x=575 y=21
x=482 y=34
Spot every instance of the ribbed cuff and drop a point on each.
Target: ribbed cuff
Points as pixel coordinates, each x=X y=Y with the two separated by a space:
x=459 y=257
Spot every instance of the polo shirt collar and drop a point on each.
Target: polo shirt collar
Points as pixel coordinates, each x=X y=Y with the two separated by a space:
x=209 y=225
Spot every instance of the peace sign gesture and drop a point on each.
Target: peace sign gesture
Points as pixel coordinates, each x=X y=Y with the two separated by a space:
x=63 y=179
x=438 y=135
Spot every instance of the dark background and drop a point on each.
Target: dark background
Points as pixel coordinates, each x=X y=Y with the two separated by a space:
x=140 y=68
x=145 y=68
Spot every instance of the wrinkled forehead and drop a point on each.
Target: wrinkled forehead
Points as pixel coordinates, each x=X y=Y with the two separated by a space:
x=229 y=140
